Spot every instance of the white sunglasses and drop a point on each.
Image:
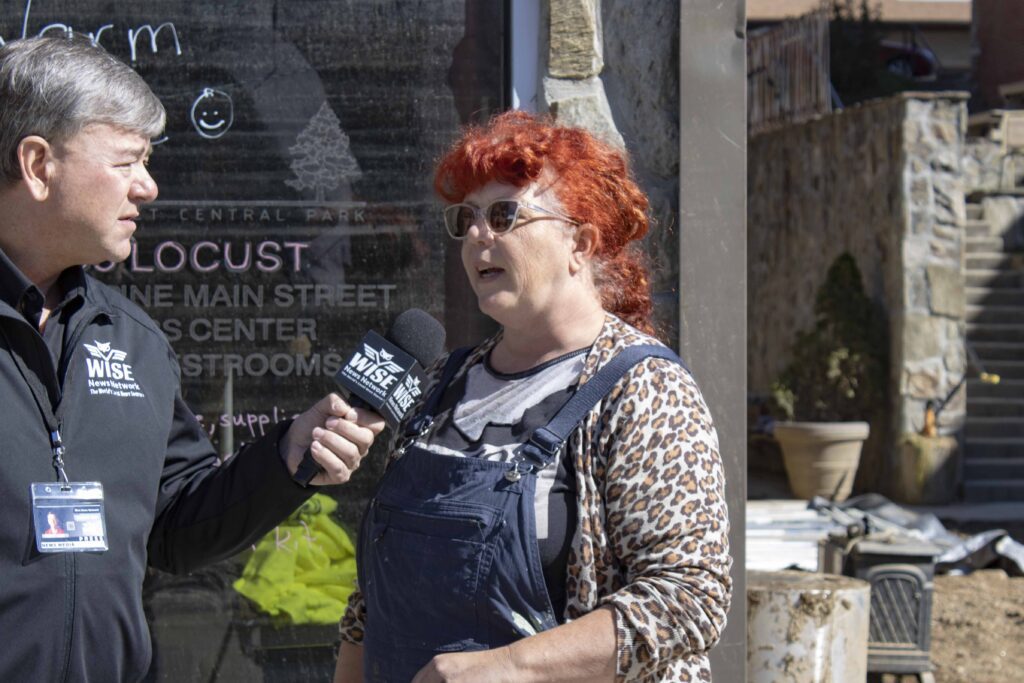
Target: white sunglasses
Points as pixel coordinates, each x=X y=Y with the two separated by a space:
x=501 y=216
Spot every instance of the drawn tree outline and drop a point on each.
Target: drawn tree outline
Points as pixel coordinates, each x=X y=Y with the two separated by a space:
x=321 y=157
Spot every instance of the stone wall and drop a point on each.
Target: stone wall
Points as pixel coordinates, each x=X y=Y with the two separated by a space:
x=1005 y=217
x=598 y=76
x=982 y=164
x=882 y=181
x=814 y=191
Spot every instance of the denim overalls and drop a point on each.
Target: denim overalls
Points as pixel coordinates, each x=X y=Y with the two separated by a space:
x=448 y=557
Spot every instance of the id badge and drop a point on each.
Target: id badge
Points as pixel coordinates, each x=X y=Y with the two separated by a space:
x=69 y=517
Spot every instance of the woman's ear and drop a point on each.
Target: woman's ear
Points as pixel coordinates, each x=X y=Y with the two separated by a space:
x=586 y=240
x=35 y=157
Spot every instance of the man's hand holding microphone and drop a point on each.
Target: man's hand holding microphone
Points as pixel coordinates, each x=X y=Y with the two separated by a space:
x=383 y=380
x=335 y=435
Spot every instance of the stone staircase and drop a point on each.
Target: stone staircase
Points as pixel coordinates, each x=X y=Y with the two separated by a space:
x=994 y=430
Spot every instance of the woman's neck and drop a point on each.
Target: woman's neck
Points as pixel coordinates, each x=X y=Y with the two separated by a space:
x=526 y=346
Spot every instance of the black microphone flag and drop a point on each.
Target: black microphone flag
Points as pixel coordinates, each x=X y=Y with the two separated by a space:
x=387 y=378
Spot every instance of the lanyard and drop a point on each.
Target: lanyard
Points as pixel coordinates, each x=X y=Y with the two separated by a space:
x=42 y=399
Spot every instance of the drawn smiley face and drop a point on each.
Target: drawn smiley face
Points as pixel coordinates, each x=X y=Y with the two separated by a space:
x=212 y=113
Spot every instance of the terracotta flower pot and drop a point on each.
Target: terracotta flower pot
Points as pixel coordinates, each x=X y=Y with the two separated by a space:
x=821 y=458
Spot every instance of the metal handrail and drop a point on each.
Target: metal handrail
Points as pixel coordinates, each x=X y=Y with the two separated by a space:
x=932 y=408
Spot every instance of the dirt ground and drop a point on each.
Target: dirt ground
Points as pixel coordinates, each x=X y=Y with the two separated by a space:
x=977 y=619
x=978 y=628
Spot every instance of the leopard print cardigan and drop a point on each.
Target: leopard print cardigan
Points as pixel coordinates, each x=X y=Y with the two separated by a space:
x=652 y=540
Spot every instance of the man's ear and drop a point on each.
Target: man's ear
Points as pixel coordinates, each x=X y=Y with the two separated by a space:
x=586 y=240
x=35 y=157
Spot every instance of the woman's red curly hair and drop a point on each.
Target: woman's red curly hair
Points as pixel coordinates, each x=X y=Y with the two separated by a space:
x=593 y=184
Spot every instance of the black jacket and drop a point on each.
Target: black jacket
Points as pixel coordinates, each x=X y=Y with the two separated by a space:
x=78 y=616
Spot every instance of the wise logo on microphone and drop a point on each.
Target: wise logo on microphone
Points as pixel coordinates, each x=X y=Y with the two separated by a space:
x=383 y=375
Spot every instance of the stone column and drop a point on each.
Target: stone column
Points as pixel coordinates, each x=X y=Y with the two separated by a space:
x=930 y=346
x=573 y=91
x=932 y=359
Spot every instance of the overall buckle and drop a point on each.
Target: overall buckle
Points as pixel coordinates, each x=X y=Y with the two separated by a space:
x=418 y=426
x=542 y=447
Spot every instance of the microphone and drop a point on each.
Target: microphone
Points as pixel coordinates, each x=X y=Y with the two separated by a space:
x=385 y=374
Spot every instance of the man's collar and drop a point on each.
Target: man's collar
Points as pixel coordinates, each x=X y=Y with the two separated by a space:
x=72 y=283
x=14 y=285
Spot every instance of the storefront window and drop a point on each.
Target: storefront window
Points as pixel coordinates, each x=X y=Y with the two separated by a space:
x=295 y=213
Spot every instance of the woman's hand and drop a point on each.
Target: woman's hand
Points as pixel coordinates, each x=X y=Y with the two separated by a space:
x=487 y=666
x=349 y=668
x=582 y=651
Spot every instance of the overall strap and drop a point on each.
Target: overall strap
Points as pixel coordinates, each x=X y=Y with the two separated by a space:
x=425 y=417
x=546 y=441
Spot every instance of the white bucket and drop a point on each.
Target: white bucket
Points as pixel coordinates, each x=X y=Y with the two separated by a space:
x=805 y=627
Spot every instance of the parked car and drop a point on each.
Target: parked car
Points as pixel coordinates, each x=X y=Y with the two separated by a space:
x=908 y=60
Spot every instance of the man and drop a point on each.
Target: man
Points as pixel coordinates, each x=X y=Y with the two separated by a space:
x=75 y=130
x=53 y=527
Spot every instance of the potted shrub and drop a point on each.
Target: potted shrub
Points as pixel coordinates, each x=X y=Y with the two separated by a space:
x=832 y=386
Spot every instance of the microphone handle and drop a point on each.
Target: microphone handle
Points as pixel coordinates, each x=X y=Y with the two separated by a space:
x=308 y=467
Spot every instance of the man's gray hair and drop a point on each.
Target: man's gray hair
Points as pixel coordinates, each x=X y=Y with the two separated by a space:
x=53 y=87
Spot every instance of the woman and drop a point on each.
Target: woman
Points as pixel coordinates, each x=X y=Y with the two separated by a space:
x=603 y=558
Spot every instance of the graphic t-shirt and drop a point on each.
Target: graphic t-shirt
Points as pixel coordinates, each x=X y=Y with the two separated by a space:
x=494 y=414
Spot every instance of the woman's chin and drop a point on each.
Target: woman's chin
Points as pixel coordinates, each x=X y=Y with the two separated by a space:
x=496 y=307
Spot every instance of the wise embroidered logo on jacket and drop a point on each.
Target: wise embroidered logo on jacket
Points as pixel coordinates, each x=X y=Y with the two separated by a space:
x=109 y=373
